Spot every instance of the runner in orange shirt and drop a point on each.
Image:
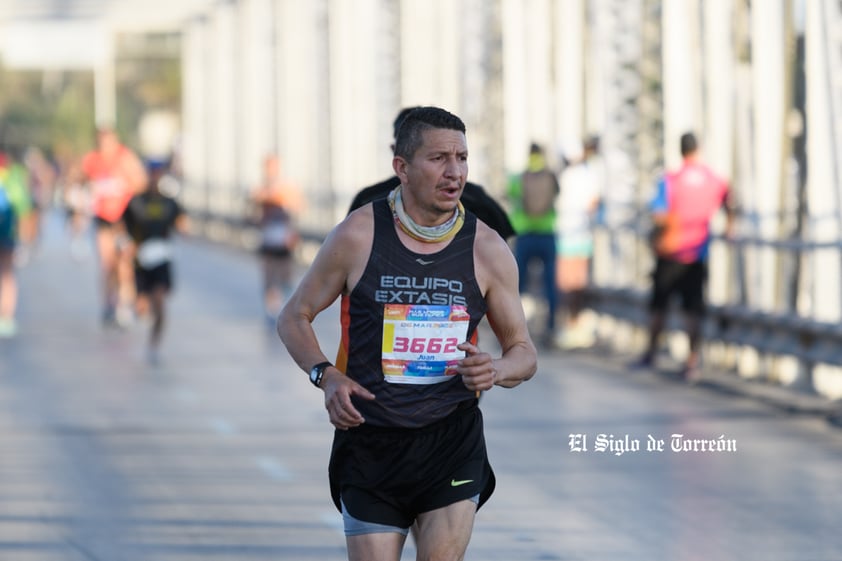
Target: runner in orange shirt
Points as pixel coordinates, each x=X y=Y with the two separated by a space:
x=280 y=202
x=115 y=175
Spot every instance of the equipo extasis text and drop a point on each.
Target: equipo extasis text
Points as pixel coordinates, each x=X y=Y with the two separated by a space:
x=619 y=445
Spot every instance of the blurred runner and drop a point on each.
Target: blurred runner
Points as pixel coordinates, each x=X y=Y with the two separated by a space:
x=42 y=179
x=15 y=203
x=279 y=201
x=115 y=174
x=150 y=218
x=77 y=203
x=533 y=194
x=576 y=210
x=686 y=201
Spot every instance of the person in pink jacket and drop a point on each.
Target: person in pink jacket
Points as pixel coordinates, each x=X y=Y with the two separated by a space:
x=686 y=201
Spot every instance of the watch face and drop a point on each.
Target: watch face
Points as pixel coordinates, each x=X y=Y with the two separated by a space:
x=317 y=372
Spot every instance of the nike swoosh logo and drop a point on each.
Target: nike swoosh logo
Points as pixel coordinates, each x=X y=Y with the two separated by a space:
x=422 y=262
x=455 y=483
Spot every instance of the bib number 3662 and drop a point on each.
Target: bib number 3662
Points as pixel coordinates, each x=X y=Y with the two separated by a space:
x=423 y=345
x=420 y=342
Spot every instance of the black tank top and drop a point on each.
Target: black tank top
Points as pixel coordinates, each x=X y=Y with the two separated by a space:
x=402 y=321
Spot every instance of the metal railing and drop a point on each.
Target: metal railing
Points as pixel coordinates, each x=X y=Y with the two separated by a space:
x=786 y=348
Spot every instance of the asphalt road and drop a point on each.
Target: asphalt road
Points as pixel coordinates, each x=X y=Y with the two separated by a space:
x=220 y=451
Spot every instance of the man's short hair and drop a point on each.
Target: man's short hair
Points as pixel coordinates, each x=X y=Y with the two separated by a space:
x=411 y=130
x=396 y=125
x=689 y=143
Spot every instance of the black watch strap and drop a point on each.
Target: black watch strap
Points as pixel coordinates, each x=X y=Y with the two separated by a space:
x=318 y=372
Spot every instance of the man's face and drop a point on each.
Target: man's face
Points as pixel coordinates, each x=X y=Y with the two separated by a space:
x=436 y=174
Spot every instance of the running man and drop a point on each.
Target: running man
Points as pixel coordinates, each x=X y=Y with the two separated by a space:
x=280 y=202
x=150 y=218
x=415 y=273
x=115 y=174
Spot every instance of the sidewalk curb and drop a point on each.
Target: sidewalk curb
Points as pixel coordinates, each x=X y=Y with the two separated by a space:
x=789 y=400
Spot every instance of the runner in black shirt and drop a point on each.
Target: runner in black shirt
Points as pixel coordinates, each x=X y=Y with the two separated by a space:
x=416 y=272
x=149 y=220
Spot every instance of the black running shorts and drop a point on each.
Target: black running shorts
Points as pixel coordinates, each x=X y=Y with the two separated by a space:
x=390 y=475
x=685 y=279
x=146 y=280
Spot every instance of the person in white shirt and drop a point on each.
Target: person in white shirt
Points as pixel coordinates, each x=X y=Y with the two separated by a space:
x=576 y=208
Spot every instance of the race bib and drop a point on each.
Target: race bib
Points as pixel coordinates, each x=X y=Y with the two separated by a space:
x=277 y=234
x=107 y=187
x=110 y=198
x=419 y=342
x=154 y=252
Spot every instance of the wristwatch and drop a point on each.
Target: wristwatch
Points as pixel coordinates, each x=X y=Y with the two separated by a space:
x=318 y=372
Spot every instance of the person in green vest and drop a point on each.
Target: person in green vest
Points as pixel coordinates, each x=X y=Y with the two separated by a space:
x=532 y=194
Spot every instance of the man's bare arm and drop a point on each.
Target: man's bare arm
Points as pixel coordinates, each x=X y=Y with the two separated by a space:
x=497 y=275
x=323 y=283
x=328 y=276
